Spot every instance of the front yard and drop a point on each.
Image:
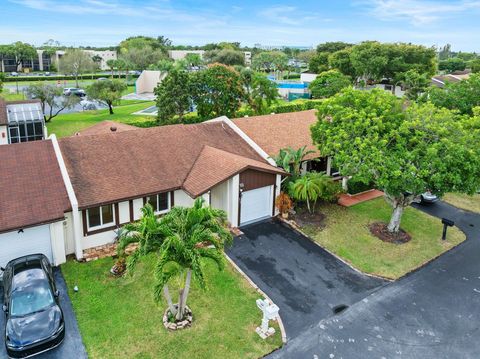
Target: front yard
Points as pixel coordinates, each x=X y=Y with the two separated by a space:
x=119 y=319
x=464 y=201
x=345 y=232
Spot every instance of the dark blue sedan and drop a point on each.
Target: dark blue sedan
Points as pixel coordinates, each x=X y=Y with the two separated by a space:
x=34 y=319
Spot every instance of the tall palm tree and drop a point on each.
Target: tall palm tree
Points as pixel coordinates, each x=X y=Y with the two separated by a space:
x=186 y=237
x=310 y=187
x=291 y=159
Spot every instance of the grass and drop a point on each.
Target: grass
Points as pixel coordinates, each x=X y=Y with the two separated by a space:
x=463 y=201
x=67 y=124
x=118 y=317
x=346 y=234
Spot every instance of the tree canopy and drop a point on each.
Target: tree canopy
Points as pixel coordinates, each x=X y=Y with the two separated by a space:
x=404 y=151
x=173 y=96
x=270 y=61
x=106 y=91
x=76 y=62
x=452 y=64
x=329 y=83
x=225 y=56
x=260 y=92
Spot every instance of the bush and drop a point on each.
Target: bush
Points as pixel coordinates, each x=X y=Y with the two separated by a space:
x=61 y=77
x=283 y=203
x=291 y=77
x=355 y=186
x=332 y=191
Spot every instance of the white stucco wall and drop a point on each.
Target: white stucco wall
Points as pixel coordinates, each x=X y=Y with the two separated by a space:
x=57 y=240
x=233 y=190
x=182 y=199
x=148 y=80
x=307 y=77
x=220 y=196
x=69 y=238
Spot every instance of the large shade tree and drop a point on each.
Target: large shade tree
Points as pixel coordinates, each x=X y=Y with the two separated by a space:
x=173 y=97
x=76 y=62
x=182 y=240
x=404 y=151
x=108 y=91
x=260 y=91
x=329 y=83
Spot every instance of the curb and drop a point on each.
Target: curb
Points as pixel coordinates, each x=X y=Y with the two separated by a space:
x=252 y=283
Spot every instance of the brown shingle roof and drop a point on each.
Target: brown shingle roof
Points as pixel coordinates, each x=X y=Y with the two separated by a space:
x=131 y=164
x=274 y=132
x=105 y=127
x=214 y=166
x=32 y=189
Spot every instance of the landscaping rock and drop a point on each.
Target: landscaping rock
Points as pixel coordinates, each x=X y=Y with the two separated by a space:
x=185 y=323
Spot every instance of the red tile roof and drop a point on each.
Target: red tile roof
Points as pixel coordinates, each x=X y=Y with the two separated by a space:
x=118 y=166
x=32 y=189
x=277 y=131
x=105 y=127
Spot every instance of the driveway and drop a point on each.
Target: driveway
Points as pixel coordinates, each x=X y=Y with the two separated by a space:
x=432 y=313
x=304 y=280
x=72 y=346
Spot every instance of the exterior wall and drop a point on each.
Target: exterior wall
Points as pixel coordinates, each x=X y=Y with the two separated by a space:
x=182 y=199
x=234 y=193
x=3 y=135
x=57 y=239
x=181 y=54
x=69 y=234
x=124 y=212
x=219 y=196
x=251 y=179
x=307 y=77
x=148 y=80
x=97 y=239
x=105 y=55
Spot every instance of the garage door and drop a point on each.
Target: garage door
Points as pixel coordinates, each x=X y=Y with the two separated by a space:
x=256 y=204
x=30 y=241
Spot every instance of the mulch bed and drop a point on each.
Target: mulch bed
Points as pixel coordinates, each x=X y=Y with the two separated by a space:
x=380 y=230
x=303 y=218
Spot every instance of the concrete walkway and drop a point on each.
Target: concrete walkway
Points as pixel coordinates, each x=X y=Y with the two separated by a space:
x=348 y=200
x=432 y=313
x=305 y=281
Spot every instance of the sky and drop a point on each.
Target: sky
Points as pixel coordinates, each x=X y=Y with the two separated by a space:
x=280 y=22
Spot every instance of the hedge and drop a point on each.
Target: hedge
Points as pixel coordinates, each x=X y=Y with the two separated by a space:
x=57 y=78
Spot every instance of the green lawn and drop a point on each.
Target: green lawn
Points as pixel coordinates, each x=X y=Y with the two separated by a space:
x=463 y=201
x=67 y=124
x=346 y=234
x=119 y=319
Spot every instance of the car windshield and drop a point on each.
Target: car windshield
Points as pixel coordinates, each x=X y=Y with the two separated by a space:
x=35 y=297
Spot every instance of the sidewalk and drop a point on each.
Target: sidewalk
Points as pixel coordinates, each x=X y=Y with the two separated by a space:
x=347 y=200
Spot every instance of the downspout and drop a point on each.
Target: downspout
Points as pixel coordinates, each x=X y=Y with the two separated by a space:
x=72 y=198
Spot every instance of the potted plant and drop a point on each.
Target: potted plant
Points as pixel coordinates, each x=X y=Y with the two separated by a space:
x=284 y=204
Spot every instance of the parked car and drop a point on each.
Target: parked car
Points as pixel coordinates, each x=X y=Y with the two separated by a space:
x=102 y=79
x=13 y=73
x=428 y=197
x=74 y=91
x=34 y=319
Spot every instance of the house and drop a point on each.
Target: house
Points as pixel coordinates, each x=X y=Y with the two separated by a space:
x=105 y=127
x=148 y=80
x=81 y=189
x=277 y=131
x=33 y=202
x=457 y=76
x=21 y=121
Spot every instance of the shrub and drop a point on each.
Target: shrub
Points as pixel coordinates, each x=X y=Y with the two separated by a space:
x=356 y=186
x=283 y=203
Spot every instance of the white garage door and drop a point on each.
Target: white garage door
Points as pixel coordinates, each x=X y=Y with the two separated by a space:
x=30 y=241
x=256 y=204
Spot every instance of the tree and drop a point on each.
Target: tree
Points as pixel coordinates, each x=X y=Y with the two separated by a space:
x=445 y=52
x=2 y=79
x=306 y=56
x=22 y=52
x=452 y=64
x=318 y=63
x=341 y=61
x=462 y=96
x=182 y=240
x=112 y=64
x=160 y=43
x=404 y=151
x=217 y=91
x=329 y=83
x=475 y=66
x=291 y=160
x=107 y=91
x=51 y=98
x=369 y=59
x=173 y=97
x=76 y=62
x=333 y=46
x=415 y=84
x=270 y=61
x=226 y=57
x=309 y=188
x=193 y=60
x=260 y=91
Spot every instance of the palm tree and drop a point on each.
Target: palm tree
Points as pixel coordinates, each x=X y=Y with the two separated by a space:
x=183 y=238
x=291 y=160
x=310 y=187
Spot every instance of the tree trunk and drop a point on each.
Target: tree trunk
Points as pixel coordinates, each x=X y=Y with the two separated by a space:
x=180 y=308
x=168 y=297
x=76 y=80
x=308 y=206
x=187 y=288
x=110 y=108
x=395 y=220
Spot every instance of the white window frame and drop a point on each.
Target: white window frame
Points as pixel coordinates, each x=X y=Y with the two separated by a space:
x=169 y=204
x=102 y=225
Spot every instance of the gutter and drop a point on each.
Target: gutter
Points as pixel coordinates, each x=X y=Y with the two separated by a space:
x=71 y=196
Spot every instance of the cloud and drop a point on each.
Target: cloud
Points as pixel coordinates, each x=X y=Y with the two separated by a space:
x=417 y=12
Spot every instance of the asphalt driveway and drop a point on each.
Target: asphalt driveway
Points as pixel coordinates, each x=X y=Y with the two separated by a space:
x=305 y=281
x=72 y=346
x=432 y=313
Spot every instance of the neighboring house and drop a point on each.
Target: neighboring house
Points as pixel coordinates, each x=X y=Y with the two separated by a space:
x=21 y=121
x=457 y=76
x=277 y=131
x=307 y=77
x=33 y=202
x=105 y=127
x=148 y=80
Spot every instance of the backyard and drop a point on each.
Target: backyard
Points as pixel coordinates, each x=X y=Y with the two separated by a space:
x=345 y=232
x=119 y=318
x=67 y=124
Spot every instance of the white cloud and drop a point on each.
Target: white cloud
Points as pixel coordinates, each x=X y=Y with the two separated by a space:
x=287 y=15
x=417 y=12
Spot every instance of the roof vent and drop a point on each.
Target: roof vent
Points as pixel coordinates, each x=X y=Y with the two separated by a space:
x=113 y=128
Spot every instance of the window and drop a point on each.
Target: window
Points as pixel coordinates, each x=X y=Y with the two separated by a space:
x=160 y=202
x=100 y=217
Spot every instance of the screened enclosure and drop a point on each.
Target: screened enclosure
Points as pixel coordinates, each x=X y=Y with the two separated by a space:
x=25 y=122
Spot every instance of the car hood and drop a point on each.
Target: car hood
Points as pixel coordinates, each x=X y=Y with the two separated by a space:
x=22 y=331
